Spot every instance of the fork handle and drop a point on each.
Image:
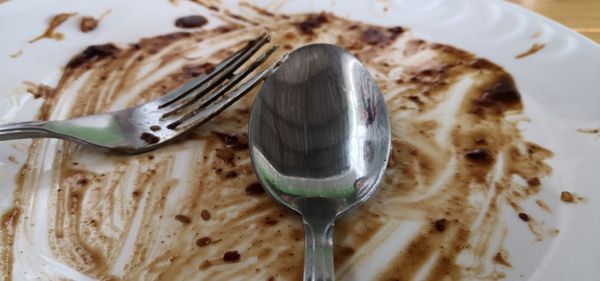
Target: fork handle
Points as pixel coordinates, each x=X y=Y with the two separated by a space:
x=24 y=130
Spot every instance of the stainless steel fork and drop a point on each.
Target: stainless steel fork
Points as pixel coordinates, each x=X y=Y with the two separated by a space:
x=151 y=125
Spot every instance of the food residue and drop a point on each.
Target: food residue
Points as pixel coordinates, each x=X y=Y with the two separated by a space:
x=203 y=242
x=534 y=49
x=226 y=155
x=13 y=160
x=451 y=129
x=149 y=138
x=191 y=21
x=440 y=225
x=56 y=21
x=39 y=90
x=88 y=24
x=255 y=189
x=205 y=214
x=231 y=256
x=183 y=219
x=570 y=197
x=589 y=130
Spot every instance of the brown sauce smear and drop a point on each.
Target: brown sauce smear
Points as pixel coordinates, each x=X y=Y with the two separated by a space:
x=536 y=47
x=55 y=22
x=90 y=221
x=39 y=90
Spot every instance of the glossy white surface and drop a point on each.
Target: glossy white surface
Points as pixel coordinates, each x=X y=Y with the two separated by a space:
x=559 y=85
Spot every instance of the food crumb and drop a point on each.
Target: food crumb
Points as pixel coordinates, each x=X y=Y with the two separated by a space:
x=231 y=256
x=566 y=196
x=149 y=138
x=203 y=242
x=524 y=217
x=479 y=155
x=440 y=225
x=54 y=23
x=88 y=24
x=534 y=182
x=191 y=21
x=183 y=219
x=205 y=214
x=498 y=258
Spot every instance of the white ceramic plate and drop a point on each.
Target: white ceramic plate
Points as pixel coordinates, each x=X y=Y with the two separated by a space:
x=559 y=85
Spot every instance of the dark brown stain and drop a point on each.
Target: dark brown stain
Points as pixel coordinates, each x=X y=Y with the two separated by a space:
x=149 y=138
x=205 y=214
x=193 y=21
x=232 y=256
x=255 y=189
x=499 y=258
x=312 y=22
x=93 y=53
x=203 y=242
x=440 y=225
x=524 y=217
x=479 y=155
x=183 y=219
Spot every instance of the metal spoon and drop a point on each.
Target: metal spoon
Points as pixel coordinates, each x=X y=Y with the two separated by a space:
x=319 y=141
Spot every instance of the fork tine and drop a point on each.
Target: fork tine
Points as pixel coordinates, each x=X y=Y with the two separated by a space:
x=204 y=84
x=214 y=109
x=199 y=103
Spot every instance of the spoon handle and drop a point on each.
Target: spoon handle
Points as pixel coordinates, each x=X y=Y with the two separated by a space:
x=318 y=249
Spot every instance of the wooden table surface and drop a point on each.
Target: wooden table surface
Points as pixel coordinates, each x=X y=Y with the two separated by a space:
x=582 y=16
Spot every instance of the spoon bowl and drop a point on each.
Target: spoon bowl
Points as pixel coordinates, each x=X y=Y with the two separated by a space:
x=319 y=139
